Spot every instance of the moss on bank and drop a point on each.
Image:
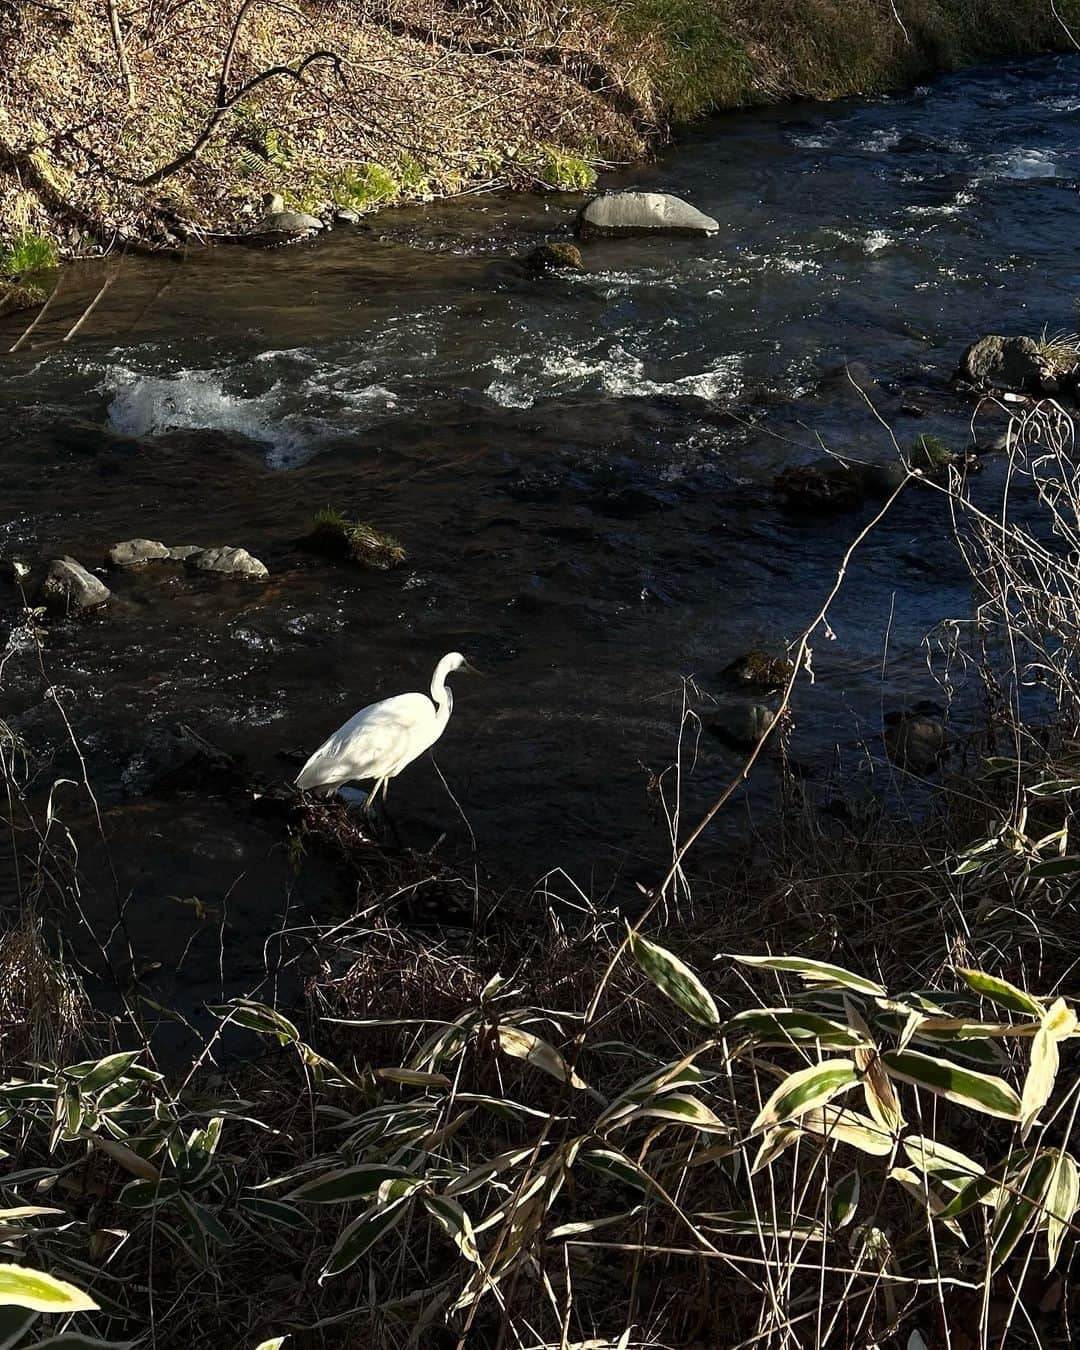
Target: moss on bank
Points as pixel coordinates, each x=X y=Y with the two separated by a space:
x=359 y=115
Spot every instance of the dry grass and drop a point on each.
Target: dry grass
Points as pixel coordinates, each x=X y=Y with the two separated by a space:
x=394 y=100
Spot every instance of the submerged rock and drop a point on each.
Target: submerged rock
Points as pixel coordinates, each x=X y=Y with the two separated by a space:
x=819 y=489
x=555 y=257
x=622 y=213
x=742 y=725
x=69 y=586
x=1011 y=363
x=135 y=552
x=171 y=759
x=759 y=670
x=881 y=480
x=916 y=739
x=228 y=561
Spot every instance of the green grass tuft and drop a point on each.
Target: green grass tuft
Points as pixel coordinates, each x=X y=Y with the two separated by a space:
x=354 y=541
x=931 y=454
x=27 y=255
x=363 y=186
x=565 y=172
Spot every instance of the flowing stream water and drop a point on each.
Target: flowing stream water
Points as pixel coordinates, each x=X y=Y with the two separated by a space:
x=580 y=468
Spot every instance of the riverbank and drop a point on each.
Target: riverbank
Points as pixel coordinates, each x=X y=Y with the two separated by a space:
x=168 y=127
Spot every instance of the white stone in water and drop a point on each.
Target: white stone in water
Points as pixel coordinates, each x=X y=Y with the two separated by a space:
x=135 y=552
x=228 y=561
x=620 y=213
x=68 y=585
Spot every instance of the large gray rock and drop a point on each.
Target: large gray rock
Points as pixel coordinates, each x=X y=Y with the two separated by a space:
x=69 y=586
x=280 y=226
x=288 y=222
x=619 y=213
x=228 y=561
x=1014 y=363
x=135 y=552
x=182 y=552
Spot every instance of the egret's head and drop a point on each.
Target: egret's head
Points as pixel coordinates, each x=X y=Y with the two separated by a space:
x=454 y=662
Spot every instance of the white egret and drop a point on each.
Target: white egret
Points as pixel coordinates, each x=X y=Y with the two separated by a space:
x=381 y=739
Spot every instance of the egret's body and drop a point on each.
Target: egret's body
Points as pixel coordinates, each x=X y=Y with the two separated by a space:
x=381 y=739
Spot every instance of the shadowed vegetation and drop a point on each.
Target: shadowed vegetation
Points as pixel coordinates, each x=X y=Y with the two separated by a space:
x=535 y=1123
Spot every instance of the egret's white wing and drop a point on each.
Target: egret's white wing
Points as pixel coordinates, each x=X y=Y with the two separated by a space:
x=378 y=741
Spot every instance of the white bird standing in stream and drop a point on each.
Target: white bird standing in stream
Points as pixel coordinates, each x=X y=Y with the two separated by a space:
x=381 y=739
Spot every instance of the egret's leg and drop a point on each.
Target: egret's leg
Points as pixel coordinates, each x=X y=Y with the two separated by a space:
x=385 y=788
x=369 y=801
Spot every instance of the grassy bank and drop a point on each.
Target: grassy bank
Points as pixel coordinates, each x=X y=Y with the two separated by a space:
x=828 y=1101
x=134 y=125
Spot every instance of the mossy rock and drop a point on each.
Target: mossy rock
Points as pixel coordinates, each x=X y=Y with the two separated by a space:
x=741 y=726
x=932 y=455
x=16 y=296
x=352 y=541
x=759 y=670
x=553 y=257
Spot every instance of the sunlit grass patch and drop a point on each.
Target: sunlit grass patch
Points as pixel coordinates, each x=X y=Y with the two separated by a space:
x=354 y=541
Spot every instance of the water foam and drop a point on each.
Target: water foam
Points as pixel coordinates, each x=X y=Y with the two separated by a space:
x=618 y=373
x=202 y=400
x=1021 y=163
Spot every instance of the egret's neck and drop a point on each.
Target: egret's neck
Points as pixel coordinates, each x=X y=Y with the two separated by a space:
x=441 y=695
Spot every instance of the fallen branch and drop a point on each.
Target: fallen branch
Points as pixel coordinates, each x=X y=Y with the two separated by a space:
x=220 y=112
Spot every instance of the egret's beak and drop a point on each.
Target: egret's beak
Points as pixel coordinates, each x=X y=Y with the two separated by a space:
x=469 y=669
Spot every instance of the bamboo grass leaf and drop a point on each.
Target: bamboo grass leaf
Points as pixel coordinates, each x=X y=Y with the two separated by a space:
x=978 y=1091
x=814 y=972
x=24 y=1287
x=675 y=979
x=805 y=1090
x=1000 y=991
x=1062 y=1201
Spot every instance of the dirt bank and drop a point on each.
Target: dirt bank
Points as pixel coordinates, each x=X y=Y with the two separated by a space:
x=152 y=124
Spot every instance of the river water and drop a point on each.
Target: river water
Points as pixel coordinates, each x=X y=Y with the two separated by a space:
x=580 y=468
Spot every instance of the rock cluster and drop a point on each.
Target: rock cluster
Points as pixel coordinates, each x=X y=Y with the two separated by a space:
x=68 y=586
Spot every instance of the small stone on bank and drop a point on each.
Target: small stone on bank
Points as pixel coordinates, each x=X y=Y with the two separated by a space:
x=69 y=586
x=622 y=213
x=228 y=561
x=135 y=552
